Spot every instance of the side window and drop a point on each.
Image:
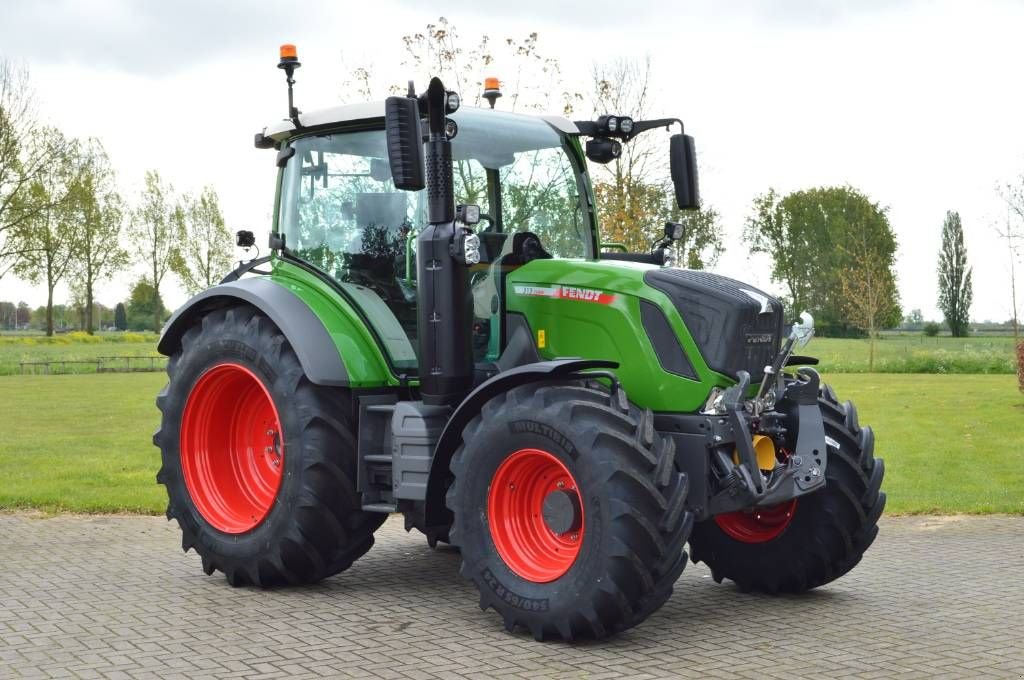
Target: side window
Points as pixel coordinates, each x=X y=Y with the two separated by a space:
x=342 y=213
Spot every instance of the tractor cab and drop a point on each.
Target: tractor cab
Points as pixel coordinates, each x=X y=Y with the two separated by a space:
x=341 y=211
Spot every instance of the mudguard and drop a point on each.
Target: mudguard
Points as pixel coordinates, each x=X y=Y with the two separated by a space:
x=305 y=332
x=451 y=436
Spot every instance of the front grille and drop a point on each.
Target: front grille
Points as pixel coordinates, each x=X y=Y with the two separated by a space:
x=725 y=318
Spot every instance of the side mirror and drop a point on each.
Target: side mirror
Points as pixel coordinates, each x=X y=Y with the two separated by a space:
x=405 y=142
x=683 y=165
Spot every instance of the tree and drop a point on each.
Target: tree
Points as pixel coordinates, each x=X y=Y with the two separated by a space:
x=152 y=233
x=49 y=241
x=633 y=192
x=205 y=247
x=914 y=320
x=24 y=315
x=144 y=304
x=531 y=79
x=810 y=236
x=26 y=151
x=869 y=289
x=102 y=213
x=954 y=277
x=8 y=315
x=120 y=317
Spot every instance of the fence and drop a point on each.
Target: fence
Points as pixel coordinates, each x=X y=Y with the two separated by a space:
x=119 y=364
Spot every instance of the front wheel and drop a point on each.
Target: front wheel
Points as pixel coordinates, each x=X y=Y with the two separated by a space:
x=568 y=510
x=258 y=462
x=811 y=540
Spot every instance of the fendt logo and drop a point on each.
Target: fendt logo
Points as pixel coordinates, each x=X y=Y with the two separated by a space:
x=566 y=293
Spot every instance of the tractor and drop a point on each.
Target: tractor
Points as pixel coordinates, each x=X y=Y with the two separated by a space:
x=439 y=331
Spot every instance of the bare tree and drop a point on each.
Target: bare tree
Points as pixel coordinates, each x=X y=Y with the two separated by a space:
x=868 y=287
x=633 y=191
x=530 y=79
x=25 y=153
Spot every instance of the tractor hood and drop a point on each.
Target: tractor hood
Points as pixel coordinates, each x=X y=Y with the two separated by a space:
x=696 y=323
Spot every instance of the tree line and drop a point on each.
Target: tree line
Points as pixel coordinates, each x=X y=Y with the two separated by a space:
x=63 y=218
x=832 y=249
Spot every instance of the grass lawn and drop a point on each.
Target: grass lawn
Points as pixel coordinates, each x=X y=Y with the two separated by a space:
x=916 y=354
x=80 y=442
x=952 y=444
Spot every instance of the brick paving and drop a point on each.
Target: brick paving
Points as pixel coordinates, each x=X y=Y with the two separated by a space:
x=115 y=597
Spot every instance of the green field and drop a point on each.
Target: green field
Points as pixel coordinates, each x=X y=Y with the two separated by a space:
x=951 y=444
x=15 y=349
x=916 y=354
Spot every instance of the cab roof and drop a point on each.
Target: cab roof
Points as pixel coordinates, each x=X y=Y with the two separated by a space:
x=366 y=111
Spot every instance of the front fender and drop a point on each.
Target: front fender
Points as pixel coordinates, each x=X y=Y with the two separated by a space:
x=467 y=410
x=304 y=331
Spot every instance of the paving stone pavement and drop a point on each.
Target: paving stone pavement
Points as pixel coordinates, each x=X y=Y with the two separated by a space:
x=115 y=597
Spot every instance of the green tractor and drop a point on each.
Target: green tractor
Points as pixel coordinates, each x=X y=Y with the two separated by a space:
x=437 y=332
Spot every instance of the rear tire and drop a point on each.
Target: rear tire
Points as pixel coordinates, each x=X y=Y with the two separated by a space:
x=828 y=531
x=620 y=549
x=311 y=525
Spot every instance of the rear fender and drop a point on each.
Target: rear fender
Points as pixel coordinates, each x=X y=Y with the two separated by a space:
x=304 y=331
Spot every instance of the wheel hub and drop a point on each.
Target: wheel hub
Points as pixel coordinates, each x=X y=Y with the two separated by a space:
x=231 y=447
x=535 y=515
x=562 y=512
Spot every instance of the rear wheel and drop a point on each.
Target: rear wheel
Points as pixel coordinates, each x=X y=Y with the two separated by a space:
x=259 y=463
x=568 y=510
x=812 y=540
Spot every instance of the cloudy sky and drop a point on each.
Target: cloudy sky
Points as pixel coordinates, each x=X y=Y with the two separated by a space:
x=918 y=104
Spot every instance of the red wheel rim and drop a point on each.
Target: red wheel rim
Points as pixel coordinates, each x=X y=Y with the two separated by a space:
x=232 y=448
x=760 y=525
x=514 y=509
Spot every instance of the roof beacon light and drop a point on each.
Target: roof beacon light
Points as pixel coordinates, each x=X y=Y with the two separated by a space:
x=289 y=55
x=492 y=90
x=289 y=62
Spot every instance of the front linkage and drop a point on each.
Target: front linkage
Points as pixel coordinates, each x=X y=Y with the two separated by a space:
x=743 y=485
x=783 y=407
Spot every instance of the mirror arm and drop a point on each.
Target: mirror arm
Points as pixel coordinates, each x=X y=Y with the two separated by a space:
x=645 y=125
x=589 y=128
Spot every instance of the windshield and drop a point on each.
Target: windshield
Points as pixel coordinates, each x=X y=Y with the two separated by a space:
x=341 y=212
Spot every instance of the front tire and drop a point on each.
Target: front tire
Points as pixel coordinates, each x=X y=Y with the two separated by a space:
x=258 y=462
x=568 y=510
x=814 y=539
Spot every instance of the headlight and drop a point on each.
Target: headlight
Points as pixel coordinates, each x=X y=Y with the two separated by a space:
x=626 y=125
x=612 y=123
